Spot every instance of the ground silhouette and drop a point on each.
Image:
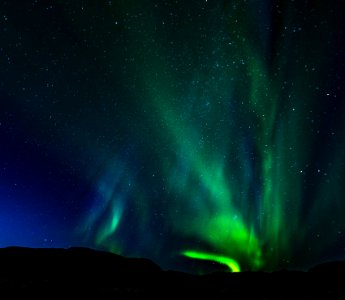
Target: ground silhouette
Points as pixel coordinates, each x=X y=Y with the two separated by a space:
x=84 y=272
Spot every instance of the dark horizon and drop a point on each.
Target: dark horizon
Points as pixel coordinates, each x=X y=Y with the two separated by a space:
x=85 y=272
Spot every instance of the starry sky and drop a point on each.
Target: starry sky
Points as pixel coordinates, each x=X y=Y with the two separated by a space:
x=202 y=134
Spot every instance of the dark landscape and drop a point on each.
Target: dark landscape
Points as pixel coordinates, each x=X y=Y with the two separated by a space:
x=88 y=272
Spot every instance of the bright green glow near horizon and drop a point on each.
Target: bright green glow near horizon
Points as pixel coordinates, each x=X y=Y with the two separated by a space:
x=231 y=263
x=110 y=228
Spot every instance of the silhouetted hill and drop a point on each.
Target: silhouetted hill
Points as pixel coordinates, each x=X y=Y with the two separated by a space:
x=84 y=272
x=337 y=267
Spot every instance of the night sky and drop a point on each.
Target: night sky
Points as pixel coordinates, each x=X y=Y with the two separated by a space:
x=199 y=133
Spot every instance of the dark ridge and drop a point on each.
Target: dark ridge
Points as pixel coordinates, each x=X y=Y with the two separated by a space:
x=84 y=272
x=337 y=267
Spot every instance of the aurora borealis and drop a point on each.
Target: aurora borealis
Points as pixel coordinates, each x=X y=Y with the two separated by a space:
x=179 y=131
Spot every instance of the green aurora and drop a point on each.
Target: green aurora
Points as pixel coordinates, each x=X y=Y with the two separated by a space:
x=229 y=100
x=230 y=263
